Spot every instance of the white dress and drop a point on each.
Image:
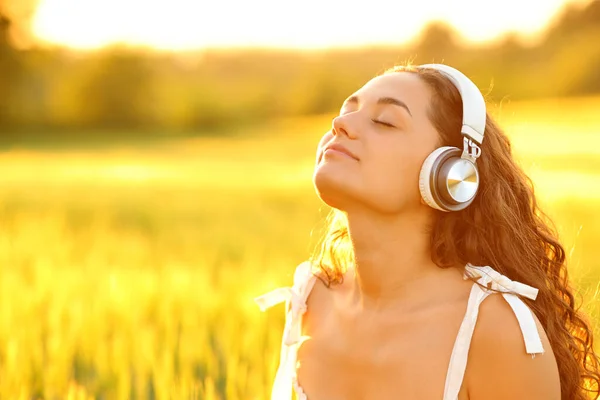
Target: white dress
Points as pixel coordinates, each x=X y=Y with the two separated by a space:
x=295 y=297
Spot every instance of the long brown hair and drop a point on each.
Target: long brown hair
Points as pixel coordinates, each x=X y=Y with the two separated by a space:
x=504 y=228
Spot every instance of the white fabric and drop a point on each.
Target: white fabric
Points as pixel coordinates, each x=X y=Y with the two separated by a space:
x=487 y=275
x=295 y=297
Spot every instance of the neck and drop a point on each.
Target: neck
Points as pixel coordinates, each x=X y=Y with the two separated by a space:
x=392 y=254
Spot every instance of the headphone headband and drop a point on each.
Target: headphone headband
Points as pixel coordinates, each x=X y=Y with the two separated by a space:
x=474 y=110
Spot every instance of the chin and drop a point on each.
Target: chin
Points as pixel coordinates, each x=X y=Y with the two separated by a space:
x=331 y=187
x=339 y=190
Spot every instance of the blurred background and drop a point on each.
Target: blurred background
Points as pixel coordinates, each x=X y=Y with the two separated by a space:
x=156 y=162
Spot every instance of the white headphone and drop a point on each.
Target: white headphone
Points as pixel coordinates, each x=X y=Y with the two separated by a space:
x=449 y=180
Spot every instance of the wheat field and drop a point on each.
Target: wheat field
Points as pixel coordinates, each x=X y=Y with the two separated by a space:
x=128 y=271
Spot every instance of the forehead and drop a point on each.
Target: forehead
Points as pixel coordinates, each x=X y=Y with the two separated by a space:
x=404 y=86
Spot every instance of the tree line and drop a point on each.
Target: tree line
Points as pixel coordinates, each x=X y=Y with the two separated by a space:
x=54 y=90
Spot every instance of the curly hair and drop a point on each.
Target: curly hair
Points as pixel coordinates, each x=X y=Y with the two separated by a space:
x=504 y=228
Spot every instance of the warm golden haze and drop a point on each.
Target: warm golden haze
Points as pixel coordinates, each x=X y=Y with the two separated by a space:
x=147 y=197
x=187 y=24
x=129 y=271
x=136 y=92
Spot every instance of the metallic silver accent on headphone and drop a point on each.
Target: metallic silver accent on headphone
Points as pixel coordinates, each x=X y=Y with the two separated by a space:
x=471 y=151
x=462 y=180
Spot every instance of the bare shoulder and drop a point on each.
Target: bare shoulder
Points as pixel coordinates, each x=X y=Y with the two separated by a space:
x=498 y=365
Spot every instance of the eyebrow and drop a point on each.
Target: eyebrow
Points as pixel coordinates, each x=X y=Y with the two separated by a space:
x=382 y=100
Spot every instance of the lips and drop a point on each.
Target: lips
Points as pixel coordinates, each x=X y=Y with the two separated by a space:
x=340 y=148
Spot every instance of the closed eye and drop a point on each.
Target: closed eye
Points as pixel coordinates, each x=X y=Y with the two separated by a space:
x=383 y=123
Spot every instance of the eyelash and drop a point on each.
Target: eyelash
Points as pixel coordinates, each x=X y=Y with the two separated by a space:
x=383 y=123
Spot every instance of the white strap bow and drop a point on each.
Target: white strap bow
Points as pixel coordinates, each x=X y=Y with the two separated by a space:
x=500 y=282
x=296 y=307
x=509 y=289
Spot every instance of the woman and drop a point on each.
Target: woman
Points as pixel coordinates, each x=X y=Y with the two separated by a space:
x=393 y=305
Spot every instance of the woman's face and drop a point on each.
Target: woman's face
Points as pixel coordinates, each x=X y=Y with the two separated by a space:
x=385 y=126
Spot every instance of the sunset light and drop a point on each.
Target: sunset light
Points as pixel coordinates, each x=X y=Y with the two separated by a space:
x=190 y=24
x=160 y=171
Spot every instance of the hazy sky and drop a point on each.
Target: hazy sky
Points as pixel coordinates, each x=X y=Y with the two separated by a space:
x=188 y=24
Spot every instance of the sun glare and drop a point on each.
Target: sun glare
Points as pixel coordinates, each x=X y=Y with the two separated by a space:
x=192 y=24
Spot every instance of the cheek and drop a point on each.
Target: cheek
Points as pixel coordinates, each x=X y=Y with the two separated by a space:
x=395 y=171
x=396 y=158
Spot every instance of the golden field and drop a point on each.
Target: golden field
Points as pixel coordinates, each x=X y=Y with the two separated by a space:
x=129 y=271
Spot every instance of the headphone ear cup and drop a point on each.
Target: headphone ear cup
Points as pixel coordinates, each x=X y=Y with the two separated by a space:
x=428 y=176
x=446 y=181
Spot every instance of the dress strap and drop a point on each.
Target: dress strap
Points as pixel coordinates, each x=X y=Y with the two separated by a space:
x=295 y=298
x=509 y=289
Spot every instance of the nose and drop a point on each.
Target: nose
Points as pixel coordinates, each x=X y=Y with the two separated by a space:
x=341 y=126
